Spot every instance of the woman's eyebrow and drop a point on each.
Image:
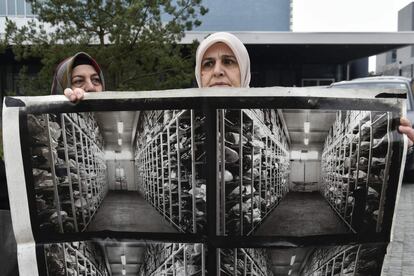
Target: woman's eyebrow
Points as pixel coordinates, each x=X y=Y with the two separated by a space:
x=228 y=56
x=207 y=58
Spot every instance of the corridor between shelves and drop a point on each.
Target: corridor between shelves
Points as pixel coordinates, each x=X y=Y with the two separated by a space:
x=301 y=213
x=128 y=211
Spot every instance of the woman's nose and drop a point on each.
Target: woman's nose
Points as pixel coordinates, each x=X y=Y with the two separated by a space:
x=89 y=87
x=218 y=69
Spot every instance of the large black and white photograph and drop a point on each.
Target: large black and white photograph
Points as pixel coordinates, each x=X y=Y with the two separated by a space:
x=105 y=257
x=312 y=172
x=348 y=260
x=131 y=171
x=302 y=172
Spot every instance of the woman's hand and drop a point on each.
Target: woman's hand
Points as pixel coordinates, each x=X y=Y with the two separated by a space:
x=406 y=128
x=74 y=95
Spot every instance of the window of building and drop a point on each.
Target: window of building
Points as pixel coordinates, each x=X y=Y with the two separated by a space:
x=391 y=56
x=316 y=82
x=20 y=8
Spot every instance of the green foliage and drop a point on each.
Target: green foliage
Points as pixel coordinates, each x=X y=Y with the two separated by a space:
x=134 y=41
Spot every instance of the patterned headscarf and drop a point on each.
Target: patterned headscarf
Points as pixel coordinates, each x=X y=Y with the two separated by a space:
x=63 y=73
x=235 y=45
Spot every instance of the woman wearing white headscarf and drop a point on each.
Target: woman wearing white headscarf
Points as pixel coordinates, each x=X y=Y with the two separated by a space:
x=222 y=60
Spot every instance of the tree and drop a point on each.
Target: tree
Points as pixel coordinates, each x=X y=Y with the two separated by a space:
x=135 y=41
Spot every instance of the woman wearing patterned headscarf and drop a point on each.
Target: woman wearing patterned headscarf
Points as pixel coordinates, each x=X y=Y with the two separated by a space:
x=76 y=75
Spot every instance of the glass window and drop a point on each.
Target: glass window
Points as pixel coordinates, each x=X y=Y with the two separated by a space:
x=11 y=7
x=20 y=7
x=29 y=11
x=3 y=7
x=391 y=56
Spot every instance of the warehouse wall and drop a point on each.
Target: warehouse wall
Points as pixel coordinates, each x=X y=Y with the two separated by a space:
x=128 y=166
x=305 y=176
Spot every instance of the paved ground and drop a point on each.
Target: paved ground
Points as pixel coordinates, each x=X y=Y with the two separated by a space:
x=399 y=260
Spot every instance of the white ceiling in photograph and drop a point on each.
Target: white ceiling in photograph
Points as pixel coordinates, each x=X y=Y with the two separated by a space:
x=320 y=123
x=108 y=124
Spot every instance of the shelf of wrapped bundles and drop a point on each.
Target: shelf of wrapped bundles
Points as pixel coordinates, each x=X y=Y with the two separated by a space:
x=101 y=173
x=163 y=138
x=91 y=183
x=349 y=168
x=335 y=263
x=168 y=170
x=80 y=262
x=87 y=185
x=370 y=259
x=66 y=259
x=243 y=192
x=182 y=260
x=334 y=175
x=197 y=180
x=379 y=164
x=239 y=262
x=82 y=203
x=67 y=173
x=157 y=172
x=59 y=217
x=236 y=191
x=172 y=175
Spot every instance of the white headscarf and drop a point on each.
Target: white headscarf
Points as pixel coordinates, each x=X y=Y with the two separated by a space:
x=235 y=45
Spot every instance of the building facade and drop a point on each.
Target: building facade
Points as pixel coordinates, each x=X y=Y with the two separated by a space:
x=247 y=15
x=399 y=62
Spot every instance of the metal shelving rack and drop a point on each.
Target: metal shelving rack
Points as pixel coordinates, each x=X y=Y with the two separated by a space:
x=355 y=165
x=339 y=262
x=169 y=167
x=253 y=170
x=177 y=259
x=239 y=261
x=77 y=170
x=72 y=259
x=346 y=260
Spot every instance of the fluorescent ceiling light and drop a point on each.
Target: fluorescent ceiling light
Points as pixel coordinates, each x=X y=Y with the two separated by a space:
x=123 y=271
x=306 y=126
x=120 y=127
x=290 y=271
x=292 y=259
x=120 y=141
x=306 y=141
x=123 y=259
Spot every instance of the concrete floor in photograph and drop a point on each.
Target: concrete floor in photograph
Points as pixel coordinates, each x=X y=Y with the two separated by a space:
x=128 y=211
x=301 y=214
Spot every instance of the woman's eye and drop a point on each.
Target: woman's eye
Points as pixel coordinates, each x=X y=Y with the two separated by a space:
x=229 y=61
x=96 y=81
x=208 y=64
x=77 y=82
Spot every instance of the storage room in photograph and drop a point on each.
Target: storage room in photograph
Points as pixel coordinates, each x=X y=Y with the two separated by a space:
x=299 y=172
x=139 y=171
x=126 y=258
x=348 y=260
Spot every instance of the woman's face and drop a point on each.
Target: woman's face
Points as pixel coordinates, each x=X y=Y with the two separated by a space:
x=219 y=67
x=85 y=76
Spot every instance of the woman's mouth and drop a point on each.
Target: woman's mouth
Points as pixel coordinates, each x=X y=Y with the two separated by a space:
x=220 y=84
